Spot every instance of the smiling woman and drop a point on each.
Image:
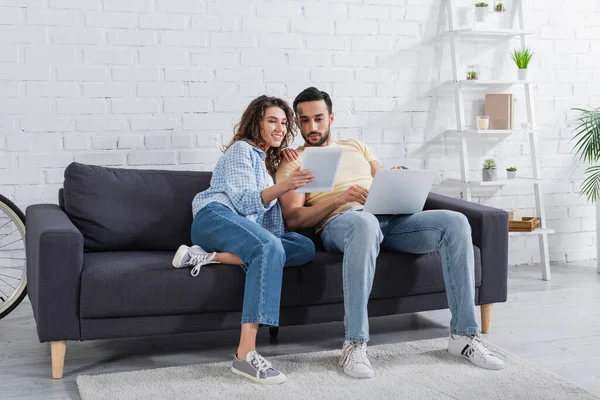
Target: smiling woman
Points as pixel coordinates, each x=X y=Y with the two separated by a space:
x=238 y=219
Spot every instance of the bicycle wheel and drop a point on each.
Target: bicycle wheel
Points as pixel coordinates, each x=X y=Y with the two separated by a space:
x=13 y=270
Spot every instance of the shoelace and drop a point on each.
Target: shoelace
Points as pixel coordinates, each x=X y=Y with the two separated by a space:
x=198 y=260
x=261 y=365
x=478 y=346
x=357 y=353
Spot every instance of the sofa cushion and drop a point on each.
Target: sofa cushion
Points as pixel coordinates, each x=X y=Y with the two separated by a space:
x=124 y=284
x=127 y=284
x=128 y=209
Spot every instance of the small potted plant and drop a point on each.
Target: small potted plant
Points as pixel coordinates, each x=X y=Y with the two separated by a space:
x=522 y=58
x=488 y=174
x=472 y=72
x=511 y=172
x=481 y=10
x=499 y=6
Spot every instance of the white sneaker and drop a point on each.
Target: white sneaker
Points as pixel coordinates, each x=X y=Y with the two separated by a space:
x=355 y=362
x=193 y=256
x=472 y=348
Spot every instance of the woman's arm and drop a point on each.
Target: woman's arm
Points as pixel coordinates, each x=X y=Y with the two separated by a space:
x=296 y=179
x=240 y=179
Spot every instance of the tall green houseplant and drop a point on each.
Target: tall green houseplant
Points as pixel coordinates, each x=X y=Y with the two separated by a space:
x=587 y=148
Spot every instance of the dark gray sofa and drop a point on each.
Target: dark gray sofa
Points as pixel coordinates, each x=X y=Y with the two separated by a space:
x=99 y=264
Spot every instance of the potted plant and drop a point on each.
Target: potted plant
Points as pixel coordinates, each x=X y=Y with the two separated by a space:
x=472 y=72
x=499 y=6
x=481 y=10
x=587 y=135
x=522 y=58
x=488 y=173
x=511 y=172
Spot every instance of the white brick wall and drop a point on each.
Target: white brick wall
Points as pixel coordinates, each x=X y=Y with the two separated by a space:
x=161 y=83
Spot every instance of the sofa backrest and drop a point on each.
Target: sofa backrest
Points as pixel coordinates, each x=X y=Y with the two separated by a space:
x=120 y=209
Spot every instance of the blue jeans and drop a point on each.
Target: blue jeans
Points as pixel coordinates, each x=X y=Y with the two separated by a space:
x=359 y=235
x=217 y=228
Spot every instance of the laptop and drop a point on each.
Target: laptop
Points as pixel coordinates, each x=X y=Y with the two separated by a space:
x=398 y=191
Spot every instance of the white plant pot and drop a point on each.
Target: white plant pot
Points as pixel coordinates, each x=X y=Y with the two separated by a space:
x=523 y=74
x=511 y=174
x=480 y=14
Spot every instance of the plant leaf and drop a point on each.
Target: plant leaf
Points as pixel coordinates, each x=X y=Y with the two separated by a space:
x=591 y=185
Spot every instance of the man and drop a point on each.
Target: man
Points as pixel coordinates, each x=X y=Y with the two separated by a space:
x=344 y=228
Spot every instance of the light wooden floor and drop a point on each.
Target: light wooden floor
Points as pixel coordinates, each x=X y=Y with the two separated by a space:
x=553 y=324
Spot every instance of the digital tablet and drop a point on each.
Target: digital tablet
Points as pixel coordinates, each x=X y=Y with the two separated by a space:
x=324 y=163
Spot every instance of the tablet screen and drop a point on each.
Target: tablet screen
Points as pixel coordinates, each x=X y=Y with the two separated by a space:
x=324 y=163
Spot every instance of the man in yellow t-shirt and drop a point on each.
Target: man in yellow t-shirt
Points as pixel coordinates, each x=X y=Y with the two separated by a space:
x=352 y=172
x=345 y=228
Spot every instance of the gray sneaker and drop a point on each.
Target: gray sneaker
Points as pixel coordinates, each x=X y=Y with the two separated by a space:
x=194 y=256
x=257 y=369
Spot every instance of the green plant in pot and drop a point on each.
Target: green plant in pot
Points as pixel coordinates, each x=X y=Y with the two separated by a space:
x=511 y=172
x=499 y=7
x=472 y=75
x=587 y=148
x=481 y=10
x=522 y=57
x=488 y=173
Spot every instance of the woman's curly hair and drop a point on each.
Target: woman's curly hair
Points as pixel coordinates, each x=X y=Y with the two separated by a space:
x=250 y=126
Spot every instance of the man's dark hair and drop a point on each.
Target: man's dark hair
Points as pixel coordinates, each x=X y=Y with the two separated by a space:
x=312 y=94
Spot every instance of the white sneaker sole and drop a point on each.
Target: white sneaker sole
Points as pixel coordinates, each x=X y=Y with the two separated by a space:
x=358 y=375
x=181 y=251
x=484 y=366
x=270 y=381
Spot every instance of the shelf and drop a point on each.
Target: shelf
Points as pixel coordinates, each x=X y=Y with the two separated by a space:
x=491 y=32
x=539 y=231
x=504 y=182
x=475 y=132
x=481 y=82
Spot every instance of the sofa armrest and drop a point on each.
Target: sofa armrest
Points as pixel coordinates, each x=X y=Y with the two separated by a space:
x=54 y=249
x=489 y=227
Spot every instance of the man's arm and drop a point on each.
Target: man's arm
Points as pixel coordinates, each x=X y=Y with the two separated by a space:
x=297 y=216
x=374 y=167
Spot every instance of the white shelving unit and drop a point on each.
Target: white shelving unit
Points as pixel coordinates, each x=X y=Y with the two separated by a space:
x=461 y=85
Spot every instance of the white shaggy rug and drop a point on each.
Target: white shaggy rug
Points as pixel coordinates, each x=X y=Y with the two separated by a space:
x=413 y=370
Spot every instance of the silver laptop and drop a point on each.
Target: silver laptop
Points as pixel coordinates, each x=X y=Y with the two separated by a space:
x=398 y=191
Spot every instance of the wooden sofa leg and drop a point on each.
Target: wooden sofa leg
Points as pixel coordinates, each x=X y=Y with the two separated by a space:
x=486 y=317
x=58 y=349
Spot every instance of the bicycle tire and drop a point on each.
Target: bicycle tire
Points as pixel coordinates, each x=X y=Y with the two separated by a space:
x=23 y=288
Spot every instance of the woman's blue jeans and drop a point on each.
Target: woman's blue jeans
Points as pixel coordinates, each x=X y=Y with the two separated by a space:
x=217 y=228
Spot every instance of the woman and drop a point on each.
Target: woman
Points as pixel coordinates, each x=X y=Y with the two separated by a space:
x=239 y=220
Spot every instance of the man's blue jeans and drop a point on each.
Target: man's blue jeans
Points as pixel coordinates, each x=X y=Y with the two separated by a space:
x=359 y=235
x=217 y=228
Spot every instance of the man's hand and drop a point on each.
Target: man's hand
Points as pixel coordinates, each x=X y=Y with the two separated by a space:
x=299 y=178
x=355 y=193
x=289 y=154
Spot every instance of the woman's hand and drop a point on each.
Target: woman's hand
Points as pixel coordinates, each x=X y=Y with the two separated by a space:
x=299 y=178
x=289 y=154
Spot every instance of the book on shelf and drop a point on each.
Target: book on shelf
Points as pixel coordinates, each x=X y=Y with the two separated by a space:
x=499 y=108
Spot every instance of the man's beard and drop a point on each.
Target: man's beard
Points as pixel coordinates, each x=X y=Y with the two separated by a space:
x=324 y=138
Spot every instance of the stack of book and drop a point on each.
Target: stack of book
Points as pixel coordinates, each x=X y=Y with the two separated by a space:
x=499 y=108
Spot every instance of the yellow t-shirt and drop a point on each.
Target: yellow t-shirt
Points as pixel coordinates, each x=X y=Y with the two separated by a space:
x=354 y=169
